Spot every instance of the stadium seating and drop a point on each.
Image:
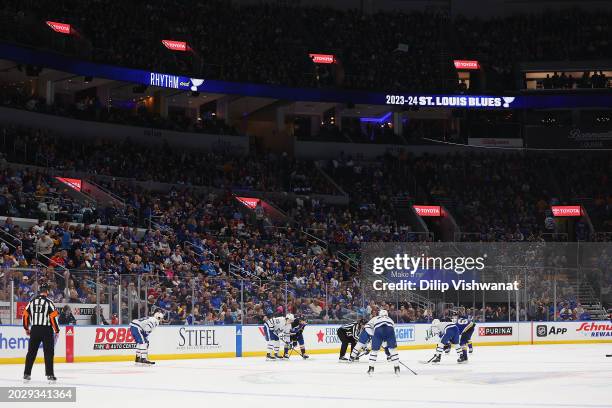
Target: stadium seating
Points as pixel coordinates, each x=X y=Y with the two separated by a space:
x=202 y=255
x=196 y=251
x=270 y=42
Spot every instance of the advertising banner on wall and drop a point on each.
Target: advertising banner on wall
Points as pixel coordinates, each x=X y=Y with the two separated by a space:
x=495 y=142
x=322 y=58
x=182 y=82
x=175 y=45
x=82 y=312
x=466 y=65
x=321 y=338
x=428 y=210
x=14 y=345
x=108 y=342
x=571 y=332
x=115 y=343
x=566 y=138
x=58 y=27
x=317 y=338
x=73 y=183
x=566 y=210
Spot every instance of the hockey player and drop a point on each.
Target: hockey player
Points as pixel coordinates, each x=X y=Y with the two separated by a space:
x=296 y=337
x=275 y=329
x=465 y=340
x=466 y=337
x=349 y=334
x=458 y=333
x=382 y=329
x=364 y=340
x=141 y=329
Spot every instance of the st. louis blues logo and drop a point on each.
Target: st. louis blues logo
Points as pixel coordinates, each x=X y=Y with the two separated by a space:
x=195 y=83
x=508 y=100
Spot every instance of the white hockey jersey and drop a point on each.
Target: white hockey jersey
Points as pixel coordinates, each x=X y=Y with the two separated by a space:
x=146 y=324
x=278 y=325
x=377 y=322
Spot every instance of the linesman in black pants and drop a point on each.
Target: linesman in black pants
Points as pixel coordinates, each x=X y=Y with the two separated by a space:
x=40 y=323
x=349 y=334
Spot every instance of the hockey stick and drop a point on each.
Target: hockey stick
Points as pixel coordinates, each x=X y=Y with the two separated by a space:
x=409 y=369
x=363 y=352
x=298 y=352
x=292 y=349
x=428 y=361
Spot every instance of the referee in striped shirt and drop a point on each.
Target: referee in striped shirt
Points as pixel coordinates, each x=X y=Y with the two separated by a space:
x=349 y=334
x=40 y=323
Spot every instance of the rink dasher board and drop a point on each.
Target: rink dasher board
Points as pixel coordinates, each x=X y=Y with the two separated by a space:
x=114 y=343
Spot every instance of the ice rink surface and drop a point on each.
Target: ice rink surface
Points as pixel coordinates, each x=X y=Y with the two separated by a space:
x=577 y=376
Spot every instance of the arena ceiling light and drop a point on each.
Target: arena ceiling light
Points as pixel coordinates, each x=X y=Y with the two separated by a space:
x=175 y=45
x=322 y=58
x=466 y=65
x=61 y=28
x=382 y=119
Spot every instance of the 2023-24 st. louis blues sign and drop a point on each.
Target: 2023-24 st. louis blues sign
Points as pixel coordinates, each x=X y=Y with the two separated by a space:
x=164 y=80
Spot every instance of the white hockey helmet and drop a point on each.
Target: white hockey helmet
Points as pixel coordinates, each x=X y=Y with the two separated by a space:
x=290 y=317
x=159 y=316
x=436 y=326
x=383 y=312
